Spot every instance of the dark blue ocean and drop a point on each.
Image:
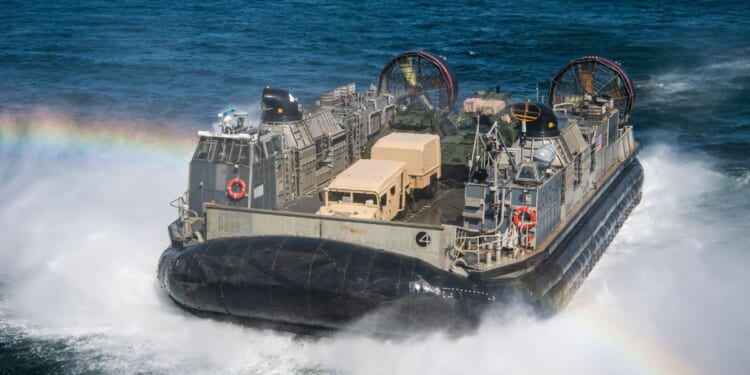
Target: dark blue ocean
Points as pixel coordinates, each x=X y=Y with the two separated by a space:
x=99 y=101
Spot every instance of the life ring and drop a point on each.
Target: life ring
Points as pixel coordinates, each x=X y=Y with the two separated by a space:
x=230 y=188
x=524 y=224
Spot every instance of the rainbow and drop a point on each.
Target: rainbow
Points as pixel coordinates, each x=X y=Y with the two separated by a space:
x=51 y=133
x=647 y=355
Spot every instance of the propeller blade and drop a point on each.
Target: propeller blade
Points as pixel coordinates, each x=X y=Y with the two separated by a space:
x=587 y=80
x=426 y=102
x=408 y=70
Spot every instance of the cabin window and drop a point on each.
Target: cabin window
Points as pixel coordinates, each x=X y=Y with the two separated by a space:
x=220 y=152
x=276 y=143
x=258 y=153
x=393 y=190
x=527 y=173
x=204 y=150
x=272 y=146
x=383 y=200
x=236 y=152
x=239 y=154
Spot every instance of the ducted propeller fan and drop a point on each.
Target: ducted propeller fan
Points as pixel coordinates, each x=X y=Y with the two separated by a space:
x=421 y=78
x=595 y=76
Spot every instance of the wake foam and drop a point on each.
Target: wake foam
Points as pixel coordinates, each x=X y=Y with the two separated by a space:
x=83 y=235
x=653 y=304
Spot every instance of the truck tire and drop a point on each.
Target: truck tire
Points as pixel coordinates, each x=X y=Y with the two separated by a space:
x=432 y=190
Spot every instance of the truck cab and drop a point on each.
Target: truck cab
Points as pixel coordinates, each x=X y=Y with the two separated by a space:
x=369 y=189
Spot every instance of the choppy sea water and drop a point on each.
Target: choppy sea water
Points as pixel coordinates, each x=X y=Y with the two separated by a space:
x=99 y=103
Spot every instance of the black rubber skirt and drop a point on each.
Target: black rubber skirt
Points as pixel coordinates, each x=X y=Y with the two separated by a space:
x=318 y=284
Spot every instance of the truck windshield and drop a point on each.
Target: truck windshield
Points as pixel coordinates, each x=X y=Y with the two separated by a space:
x=368 y=199
x=339 y=197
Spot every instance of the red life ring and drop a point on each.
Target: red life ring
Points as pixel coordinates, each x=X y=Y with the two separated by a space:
x=230 y=188
x=524 y=224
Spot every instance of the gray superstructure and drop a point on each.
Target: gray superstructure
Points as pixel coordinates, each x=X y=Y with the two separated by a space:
x=284 y=158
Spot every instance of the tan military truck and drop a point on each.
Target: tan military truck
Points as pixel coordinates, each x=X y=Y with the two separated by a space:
x=421 y=152
x=381 y=187
x=368 y=189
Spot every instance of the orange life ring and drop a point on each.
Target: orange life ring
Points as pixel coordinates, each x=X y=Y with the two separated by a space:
x=230 y=188
x=524 y=224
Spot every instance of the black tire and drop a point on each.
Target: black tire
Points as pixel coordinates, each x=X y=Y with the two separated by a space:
x=411 y=203
x=432 y=190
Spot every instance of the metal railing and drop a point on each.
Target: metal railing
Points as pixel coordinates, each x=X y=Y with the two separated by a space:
x=183 y=209
x=480 y=251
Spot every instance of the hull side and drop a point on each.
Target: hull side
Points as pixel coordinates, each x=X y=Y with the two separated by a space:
x=594 y=234
x=577 y=252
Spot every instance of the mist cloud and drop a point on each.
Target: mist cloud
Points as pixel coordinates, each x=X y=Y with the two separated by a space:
x=84 y=230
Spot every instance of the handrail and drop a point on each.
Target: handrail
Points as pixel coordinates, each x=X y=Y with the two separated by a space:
x=183 y=210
